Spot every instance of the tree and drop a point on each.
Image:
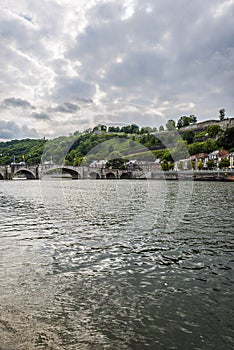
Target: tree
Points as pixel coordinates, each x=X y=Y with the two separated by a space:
x=96 y=128
x=196 y=147
x=200 y=165
x=134 y=129
x=222 y=114
x=227 y=139
x=117 y=163
x=186 y=121
x=209 y=145
x=188 y=136
x=167 y=155
x=164 y=165
x=103 y=127
x=224 y=163
x=193 y=119
x=113 y=129
x=183 y=121
x=161 y=128
x=78 y=161
x=170 y=125
x=171 y=166
x=130 y=129
x=214 y=130
x=146 y=130
x=210 y=164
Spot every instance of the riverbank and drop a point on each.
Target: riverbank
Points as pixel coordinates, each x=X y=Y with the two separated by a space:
x=195 y=175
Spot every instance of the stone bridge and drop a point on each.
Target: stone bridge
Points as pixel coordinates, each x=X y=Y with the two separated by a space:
x=85 y=172
x=10 y=172
x=35 y=172
x=53 y=170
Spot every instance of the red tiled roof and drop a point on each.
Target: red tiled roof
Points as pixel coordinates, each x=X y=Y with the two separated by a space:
x=199 y=156
x=223 y=153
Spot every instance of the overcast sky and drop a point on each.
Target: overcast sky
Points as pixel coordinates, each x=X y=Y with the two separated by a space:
x=67 y=65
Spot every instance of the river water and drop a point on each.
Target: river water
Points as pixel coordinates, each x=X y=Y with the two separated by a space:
x=116 y=265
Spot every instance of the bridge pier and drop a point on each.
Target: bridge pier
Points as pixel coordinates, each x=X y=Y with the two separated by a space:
x=12 y=172
x=37 y=173
x=5 y=172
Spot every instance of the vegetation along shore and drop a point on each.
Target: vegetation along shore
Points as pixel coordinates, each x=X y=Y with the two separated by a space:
x=182 y=145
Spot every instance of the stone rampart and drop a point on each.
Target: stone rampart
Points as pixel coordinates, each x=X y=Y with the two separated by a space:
x=224 y=124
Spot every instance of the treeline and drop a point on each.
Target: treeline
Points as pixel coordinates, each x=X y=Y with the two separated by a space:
x=27 y=150
x=126 y=129
x=129 y=141
x=170 y=145
x=135 y=129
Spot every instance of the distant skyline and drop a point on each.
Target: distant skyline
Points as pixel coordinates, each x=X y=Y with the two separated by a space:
x=68 y=65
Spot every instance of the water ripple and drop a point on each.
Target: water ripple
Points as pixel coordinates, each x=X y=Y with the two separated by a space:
x=101 y=269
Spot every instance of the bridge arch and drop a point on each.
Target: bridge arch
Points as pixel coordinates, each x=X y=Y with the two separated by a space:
x=124 y=176
x=94 y=175
x=28 y=173
x=74 y=174
x=65 y=170
x=1 y=177
x=110 y=176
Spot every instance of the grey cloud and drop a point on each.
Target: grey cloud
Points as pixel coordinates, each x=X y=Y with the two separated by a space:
x=10 y=130
x=169 y=51
x=98 y=46
x=21 y=34
x=84 y=100
x=67 y=107
x=71 y=107
x=80 y=122
x=40 y=116
x=69 y=87
x=16 y=102
x=126 y=113
x=106 y=11
x=137 y=70
x=28 y=132
x=27 y=18
x=173 y=56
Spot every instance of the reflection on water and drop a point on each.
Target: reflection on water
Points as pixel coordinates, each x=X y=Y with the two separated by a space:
x=116 y=265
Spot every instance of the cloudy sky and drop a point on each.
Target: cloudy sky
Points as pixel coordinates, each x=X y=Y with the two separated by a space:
x=67 y=65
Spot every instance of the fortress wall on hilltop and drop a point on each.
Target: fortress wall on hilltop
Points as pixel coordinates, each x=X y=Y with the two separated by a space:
x=227 y=123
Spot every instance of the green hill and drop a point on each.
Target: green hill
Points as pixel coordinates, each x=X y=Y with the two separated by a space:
x=28 y=150
x=130 y=142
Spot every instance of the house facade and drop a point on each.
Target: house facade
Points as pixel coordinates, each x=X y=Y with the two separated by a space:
x=217 y=156
x=230 y=156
